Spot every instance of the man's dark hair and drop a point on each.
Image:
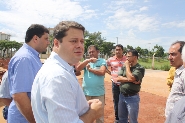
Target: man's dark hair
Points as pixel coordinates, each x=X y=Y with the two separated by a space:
x=119 y=45
x=181 y=45
x=134 y=52
x=35 y=29
x=61 y=29
x=96 y=48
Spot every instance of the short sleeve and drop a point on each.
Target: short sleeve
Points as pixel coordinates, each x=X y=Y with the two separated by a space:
x=21 y=76
x=138 y=73
x=4 y=87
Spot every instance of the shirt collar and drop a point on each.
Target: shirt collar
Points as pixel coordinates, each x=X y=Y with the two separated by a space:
x=136 y=65
x=31 y=49
x=179 y=70
x=61 y=62
x=116 y=58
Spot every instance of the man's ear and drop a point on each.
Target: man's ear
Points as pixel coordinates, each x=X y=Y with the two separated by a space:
x=35 y=38
x=56 y=43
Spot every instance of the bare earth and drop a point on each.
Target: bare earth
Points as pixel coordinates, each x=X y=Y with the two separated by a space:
x=153 y=95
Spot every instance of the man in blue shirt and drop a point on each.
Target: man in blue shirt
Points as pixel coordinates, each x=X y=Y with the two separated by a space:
x=22 y=69
x=94 y=74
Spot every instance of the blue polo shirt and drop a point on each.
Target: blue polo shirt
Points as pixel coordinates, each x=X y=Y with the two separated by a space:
x=93 y=85
x=22 y=70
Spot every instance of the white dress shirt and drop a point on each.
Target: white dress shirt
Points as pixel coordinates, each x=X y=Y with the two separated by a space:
x=177 y=91
x=56 y=95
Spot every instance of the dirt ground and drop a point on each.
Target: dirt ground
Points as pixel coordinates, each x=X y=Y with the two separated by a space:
x=153 y=95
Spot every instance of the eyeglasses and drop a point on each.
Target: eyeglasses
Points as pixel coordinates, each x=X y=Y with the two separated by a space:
x=129 y=56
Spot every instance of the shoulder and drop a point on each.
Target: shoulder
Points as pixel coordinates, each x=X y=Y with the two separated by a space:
x=140 y=68
x=111 y=58
x=19 y=59
x=102 y=61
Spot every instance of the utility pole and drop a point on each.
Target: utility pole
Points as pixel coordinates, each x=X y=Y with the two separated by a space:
x=117 y=40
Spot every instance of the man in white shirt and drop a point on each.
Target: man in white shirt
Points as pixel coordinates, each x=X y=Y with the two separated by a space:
x=56 y=94
x=178 y=88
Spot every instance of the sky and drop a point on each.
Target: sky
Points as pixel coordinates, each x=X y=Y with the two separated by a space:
x=142 y=23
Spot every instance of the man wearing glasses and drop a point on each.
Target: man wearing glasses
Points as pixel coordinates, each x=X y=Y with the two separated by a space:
x=130 y=76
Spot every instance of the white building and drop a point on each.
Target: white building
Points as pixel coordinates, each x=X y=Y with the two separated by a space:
x=4 y=36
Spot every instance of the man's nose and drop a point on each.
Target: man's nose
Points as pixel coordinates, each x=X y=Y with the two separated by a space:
x=169 y=57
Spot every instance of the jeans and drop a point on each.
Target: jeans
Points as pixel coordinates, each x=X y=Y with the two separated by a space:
x=115 y=93
x=128 y=108
x=5 y=112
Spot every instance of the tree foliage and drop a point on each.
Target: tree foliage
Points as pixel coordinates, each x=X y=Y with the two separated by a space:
x=106 y=47
x=96 y=39
x=9 y=45
x=159 y=51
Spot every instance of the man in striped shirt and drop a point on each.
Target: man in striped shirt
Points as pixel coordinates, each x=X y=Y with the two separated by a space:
x=116 y=62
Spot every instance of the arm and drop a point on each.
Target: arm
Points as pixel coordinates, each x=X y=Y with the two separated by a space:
x=6 y=101
x=23 y=103
x=77 y=73
x=108 y=64
x=83 y=64
x=95 y=111
x=99 y=72
x=108 y=71
x=129 y=74
x=60 y=102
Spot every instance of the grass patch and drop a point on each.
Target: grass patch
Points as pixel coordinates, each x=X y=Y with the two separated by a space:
x=159 y=64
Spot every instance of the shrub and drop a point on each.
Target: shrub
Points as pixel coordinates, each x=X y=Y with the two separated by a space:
x=165 y=67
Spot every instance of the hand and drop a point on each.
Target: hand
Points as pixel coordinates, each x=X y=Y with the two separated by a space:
x=93 y=60
x=97 y=107
x=116 y=80
x=92 y=100
x=137 y=82
x=88 y=66
x=127 y=63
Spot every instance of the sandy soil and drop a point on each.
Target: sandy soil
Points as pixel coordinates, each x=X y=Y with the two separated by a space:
x=153 y=95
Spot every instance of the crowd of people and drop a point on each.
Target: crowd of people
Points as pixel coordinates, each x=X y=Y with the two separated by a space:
x=50 y=92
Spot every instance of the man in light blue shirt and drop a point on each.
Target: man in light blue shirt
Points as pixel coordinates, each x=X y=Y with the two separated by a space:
x=22 y=69
x=56 y=95
x=94 y=74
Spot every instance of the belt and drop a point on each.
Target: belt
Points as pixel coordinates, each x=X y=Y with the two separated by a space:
x=128 y=95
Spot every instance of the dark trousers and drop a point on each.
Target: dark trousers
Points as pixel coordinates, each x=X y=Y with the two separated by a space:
x=115 y=93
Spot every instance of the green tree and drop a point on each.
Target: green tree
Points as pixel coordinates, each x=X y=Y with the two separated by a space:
x=107 y=48
x=139 y=50
x=9 y=45
x=93 y=39
x=129 y=47
x=159 y=51
x=51 y=38
x=124 y=50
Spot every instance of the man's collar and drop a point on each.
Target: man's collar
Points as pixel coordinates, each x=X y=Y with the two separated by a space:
x=117 y=57
x=179 y=70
